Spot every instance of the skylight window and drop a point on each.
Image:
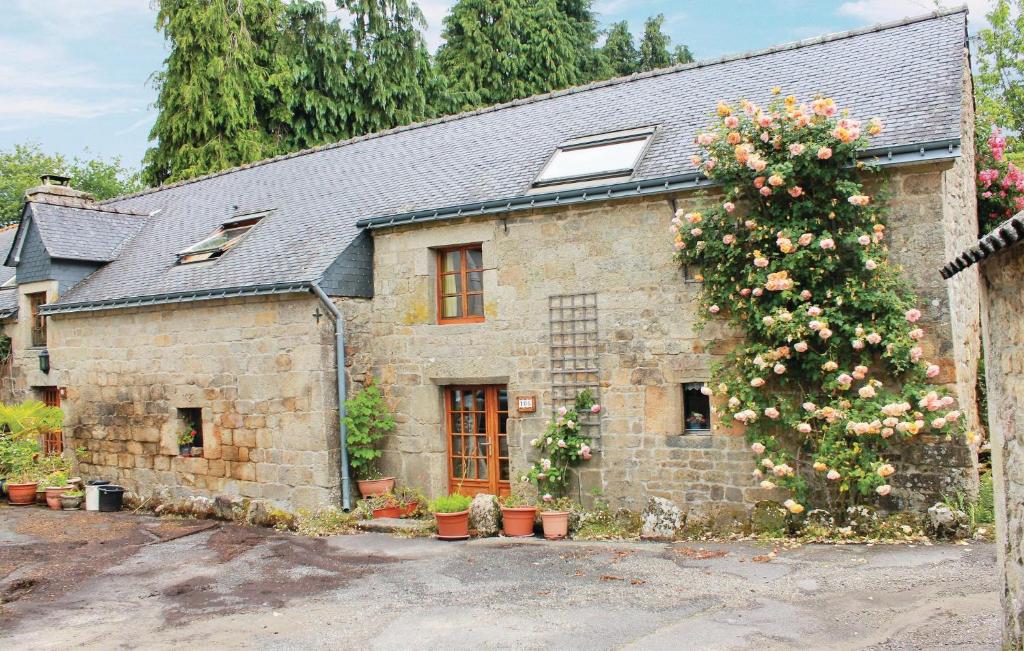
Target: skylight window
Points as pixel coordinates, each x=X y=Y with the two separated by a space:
x=220 y=241
x=604 y=156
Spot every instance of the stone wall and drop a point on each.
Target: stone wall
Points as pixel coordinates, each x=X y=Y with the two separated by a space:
x=260 y=369
x=1003 y=305
x=648 y=346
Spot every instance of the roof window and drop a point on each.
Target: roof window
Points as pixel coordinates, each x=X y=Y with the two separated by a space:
x=221 y=240
x=604 y=156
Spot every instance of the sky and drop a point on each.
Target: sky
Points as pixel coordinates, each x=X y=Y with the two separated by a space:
x=75 y=74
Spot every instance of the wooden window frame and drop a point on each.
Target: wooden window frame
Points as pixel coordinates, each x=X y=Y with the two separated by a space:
x=463 y=272
x=53 y=441
x=37 y=321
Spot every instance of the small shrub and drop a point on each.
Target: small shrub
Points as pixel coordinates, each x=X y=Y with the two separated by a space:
x=324 y=521
x=368 y=421
x=454 y=503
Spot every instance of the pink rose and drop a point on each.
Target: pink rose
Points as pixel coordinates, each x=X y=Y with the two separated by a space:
x=765 y=191
x=913 y=315
x=697 y=232
x=714 y=309
x=732 y=122
x=864 y=240
x=750 y=223
x=827 y=243
x=814 y=310
x=779 y=368
x=771 y=412
x=915 y=353
x=728 y=239
x=804 y=428
x=800 y=346
x=938 y=423
x=805 y=295
x=825 y=153
x=884 y=490
x=796 y=191
x=805 y=239
x=595 y=409
x=729 y=206
x=760 y=262
x=796 y=149
x=758 y=291
x=870 y=265
x=953 y=416
x=932 y=370
x=845 y=378
x=745 y=291
x=757 y=382
x=874 y=338
x=833 y=475
x=824 y=333
x=757 y=448
x=916 y=334
x=858 y=344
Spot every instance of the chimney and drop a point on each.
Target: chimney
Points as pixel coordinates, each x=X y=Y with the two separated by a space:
x=56 y=189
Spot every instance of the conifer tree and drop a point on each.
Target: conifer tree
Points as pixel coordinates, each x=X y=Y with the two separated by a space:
x=654 y=45
x=619 y=50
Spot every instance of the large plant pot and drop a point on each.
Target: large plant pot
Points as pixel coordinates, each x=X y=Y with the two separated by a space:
x=388 y=512
x=556 y=524
x=22 y=494
x=453 y=526
x=53 y=494
x=370 y=487
x=70 y=503
x=518 y=521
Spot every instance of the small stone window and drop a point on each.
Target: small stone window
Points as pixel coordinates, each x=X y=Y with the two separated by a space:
x=191 y=419
x=696 y=408
x=692 y=274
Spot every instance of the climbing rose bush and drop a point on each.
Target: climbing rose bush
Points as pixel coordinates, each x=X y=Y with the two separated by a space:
x=831 y=374
x=1000 y=182
x=563 y=446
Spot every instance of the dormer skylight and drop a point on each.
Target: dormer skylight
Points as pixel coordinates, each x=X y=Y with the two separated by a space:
x=228 y=235
x=604 y=156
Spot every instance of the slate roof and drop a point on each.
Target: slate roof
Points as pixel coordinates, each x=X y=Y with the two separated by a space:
x=8 y=296
x=908 y=73
x=92 y=234
x=1002 y=237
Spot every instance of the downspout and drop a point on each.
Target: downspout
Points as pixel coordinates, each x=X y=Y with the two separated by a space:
x=339 y=336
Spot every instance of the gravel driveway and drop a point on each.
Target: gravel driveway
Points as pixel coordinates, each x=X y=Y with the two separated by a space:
x=75 y=579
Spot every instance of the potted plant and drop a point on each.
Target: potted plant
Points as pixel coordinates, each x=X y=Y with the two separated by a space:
x=21 y=488
x=517 y=515
x=410 y=500
x=367 y=421
x=554 y=516
x=71 y=500
x=383 y=506
x=185 y=439
x=452 y=515
x=56 y=484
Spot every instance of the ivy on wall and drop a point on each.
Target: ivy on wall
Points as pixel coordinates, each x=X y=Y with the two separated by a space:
x=831 y=375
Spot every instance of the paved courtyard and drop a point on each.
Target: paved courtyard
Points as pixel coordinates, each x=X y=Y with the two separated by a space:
x=87 y=580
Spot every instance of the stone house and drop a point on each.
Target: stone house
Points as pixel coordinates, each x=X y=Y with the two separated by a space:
x=1000 y=257
x=484 y=268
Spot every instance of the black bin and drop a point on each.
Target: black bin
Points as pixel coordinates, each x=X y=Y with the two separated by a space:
x=111 y=497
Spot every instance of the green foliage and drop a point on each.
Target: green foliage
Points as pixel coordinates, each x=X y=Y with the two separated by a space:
x=324 y=521
x=73 y=493
x=603 y=523
x=454 y=503
x=563 y=446
x=368 y=421
x=217 y=86
x=1000 y=77
x=654 y=52
x=620 y=51
x=999 y=182
x=795 y=256
x=682 y=54
x=22 y=165
x=515 y=500
x=500 y=50
x=186 y=436
x=981 y=390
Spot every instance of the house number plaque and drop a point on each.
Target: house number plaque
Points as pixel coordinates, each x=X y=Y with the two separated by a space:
x=526 y=404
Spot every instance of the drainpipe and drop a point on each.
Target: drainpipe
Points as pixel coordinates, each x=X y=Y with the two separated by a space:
x=339 y=336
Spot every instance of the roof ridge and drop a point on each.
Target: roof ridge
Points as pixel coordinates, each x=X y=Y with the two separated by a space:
x=96 y=207
x=615 y=81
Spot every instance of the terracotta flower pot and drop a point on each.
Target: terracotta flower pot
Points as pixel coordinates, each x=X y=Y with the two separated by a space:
x=410 y=509
x=556 y=524
x=453 y=526
x=22 y=494
x=53 y=494
x=388 y=512
x=518 y=521
x=370 y=487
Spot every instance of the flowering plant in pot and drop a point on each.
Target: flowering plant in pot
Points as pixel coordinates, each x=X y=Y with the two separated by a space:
x=518 y=515
x=56 y=484
x=22 y=427
x=71 y=500
x=452 y=515
x=554 y=516
x=367 y=421
x=185 y=439
x=384 y=505
x=410 y=500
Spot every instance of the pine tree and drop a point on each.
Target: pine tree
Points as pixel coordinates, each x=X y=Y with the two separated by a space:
x=390 y=64
x=619 y=50
x=317 y=51
x=215 y=83
x=654 y=51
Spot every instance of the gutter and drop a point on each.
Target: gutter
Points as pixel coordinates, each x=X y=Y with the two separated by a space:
x=339 y=336
x=883 y=156
x=174 y=297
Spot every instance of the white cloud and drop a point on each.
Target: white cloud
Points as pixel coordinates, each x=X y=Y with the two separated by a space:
x=878 y=11
x=434 y=11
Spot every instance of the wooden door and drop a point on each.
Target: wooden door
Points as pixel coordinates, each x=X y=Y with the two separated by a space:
x=477 y=430
x=53 y=442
